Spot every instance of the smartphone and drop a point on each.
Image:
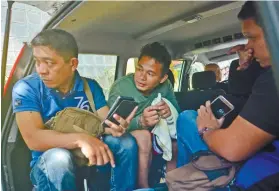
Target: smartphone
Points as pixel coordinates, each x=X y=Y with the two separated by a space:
x=123 y=106
x=221 y=107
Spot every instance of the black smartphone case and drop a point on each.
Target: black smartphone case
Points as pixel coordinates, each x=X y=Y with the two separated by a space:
x=123 y=106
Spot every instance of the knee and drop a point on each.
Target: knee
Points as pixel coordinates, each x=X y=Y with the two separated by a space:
x=144 y=140
x=128 y=143
x=187 y=115
x=58 y=158
x=185 y=118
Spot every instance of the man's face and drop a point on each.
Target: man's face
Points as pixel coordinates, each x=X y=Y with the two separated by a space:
x=52 y=68
x=256 y=41
x=148 y=74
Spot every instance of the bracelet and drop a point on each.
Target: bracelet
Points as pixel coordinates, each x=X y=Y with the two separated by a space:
x=139 y=124
x=204 y=130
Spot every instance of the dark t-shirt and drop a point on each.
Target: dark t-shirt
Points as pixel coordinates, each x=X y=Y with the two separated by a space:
x=262 y=107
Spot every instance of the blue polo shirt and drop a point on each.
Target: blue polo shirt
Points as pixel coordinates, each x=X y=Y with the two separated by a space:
x=31 y=94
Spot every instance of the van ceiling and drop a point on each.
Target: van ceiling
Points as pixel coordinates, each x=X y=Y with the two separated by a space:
x=121 y=28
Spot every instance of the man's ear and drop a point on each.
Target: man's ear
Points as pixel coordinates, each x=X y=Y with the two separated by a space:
x=74 y=63
x=165 y=77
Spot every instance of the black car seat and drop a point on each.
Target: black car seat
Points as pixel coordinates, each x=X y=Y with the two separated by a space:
x=202 y=83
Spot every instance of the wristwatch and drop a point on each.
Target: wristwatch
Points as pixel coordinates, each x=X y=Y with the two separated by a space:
x=204 y=130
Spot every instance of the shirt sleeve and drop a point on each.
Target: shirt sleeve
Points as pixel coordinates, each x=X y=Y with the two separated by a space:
x=113 y=94
x=98 y=94
x=25 y=97
x=262 y=107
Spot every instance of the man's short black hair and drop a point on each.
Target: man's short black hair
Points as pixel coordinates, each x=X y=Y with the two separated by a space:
x=159 y=53
x=59 y=40
x=249 y=11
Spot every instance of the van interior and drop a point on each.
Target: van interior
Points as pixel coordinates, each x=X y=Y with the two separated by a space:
x=193 y=31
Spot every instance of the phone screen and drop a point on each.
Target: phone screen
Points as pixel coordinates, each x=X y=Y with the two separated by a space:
x=220 y=108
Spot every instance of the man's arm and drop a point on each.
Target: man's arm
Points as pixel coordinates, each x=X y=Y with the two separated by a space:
x=38 y=138
x=113 y=94
x=239 y=141
x=26 y=105
x=255 y=126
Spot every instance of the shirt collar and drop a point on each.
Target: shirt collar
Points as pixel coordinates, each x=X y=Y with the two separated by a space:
x=78 y=84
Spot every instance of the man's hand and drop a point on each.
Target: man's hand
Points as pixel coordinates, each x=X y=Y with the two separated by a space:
x=150 y=116
x=119 y=130
x=245 y=56
x=206 y=118
x=164 y=109
x=97 y=152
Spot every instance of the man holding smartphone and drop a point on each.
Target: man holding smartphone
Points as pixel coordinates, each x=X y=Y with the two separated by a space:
x=255 y=127
x=149 y=79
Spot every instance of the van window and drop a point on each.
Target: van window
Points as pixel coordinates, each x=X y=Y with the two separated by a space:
x=98 y=67
x=196 y=67
x=175 y=67
x=26 y=22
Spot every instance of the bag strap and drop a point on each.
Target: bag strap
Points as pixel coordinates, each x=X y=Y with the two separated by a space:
x=216 y=162
x=89 y=95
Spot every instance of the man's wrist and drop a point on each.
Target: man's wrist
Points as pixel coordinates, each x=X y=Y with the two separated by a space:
x=140 y=122
x=204 y=131
x=78 y=140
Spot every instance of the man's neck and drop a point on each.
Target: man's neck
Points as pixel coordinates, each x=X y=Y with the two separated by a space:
x=64 y=89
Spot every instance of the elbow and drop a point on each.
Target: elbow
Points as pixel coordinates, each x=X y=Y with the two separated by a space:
x=32 y=146
x=35 y=146
x=231 y=155
x=32 y=143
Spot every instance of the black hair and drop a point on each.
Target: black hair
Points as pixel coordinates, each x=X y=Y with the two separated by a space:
x=158 y=52
x=249 y=11
x=59 y=40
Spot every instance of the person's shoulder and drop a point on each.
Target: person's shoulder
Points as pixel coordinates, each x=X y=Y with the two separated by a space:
x=123 y=80
x=265 y=80
x=93 y=84
x=128 y=77
x=164 y=88
x=30 y=82
x=32 y=79
x=90 y=80
x=166 y=85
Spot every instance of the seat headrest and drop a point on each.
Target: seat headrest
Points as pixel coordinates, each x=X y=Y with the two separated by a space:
x=203 y=80
x=241 y=82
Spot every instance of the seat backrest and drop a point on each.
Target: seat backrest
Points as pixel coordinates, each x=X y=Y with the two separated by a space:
x=202 y=82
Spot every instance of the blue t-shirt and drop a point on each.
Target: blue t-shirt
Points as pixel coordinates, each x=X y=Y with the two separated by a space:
x=31 y=94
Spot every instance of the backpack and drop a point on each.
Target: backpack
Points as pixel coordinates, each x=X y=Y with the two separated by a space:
x=206 y=171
